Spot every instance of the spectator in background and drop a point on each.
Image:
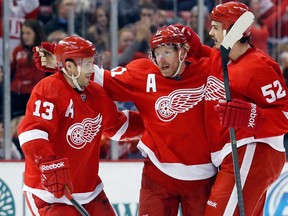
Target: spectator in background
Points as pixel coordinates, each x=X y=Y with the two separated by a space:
x=19 y=11
x=46 y=10
x=148 y=17
x=259 y=31
x=274 y=15
x=129 y=44
x=99 y=32
x=194 y=24
x=61 y=9
x=24 y=74
x=128 y=12
x=56 y=36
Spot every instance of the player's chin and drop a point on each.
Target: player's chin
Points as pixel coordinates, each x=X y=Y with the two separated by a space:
x=217 y=46
x=167 y=74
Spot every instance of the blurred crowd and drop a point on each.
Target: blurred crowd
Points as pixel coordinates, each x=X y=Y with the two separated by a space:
x=34 y=21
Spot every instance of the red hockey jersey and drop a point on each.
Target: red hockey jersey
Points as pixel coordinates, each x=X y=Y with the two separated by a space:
x=173 y=112
x=256 y=78
x=64 y=122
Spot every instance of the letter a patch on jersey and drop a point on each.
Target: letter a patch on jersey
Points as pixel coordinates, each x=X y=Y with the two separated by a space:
x=151 y=83
x=70 y=109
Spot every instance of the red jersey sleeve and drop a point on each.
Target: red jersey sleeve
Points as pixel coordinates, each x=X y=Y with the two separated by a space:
x=40 y=127
x=121 y=125
x=261 y=81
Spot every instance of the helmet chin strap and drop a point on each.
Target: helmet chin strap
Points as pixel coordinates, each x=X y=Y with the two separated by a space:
x=74 y=78
x=180 y=63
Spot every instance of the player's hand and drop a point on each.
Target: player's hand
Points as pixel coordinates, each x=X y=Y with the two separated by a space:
x=192 y=38
x=240 y=114
x=44 y=58
x=55 y=176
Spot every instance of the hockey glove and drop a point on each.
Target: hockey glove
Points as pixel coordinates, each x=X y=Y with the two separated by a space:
x=197 y=49
x=239 y=114
x=55 y=176
x=44 y=58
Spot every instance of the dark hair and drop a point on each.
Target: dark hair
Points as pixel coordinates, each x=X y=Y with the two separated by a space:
x=38 y=28
x=149 y=6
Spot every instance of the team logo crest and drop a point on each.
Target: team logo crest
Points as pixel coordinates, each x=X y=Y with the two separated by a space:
x=79 y=134
x=215 y=89
x=179 y=101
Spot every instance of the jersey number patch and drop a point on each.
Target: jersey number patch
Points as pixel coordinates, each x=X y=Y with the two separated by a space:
x=271 y=94
x=47 y=109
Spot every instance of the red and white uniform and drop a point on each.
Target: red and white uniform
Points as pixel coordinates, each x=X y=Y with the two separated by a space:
x=256 y=78
x=19 y=11
x=172 y=110
x=67 y=123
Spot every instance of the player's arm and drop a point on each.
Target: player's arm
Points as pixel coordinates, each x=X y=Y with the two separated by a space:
x=34 y=134
x=119 y=83
x=121 y=125
x=267 y=114
x=197 y=49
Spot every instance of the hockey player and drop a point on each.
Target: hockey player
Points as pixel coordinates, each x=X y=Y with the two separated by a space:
x=169 y=92
x=61 y=131
x=258 y=112
x=169 y=95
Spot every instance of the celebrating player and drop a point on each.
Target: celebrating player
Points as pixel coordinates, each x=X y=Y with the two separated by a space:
x=168 y=91
x=258 y=112
x=61 y=131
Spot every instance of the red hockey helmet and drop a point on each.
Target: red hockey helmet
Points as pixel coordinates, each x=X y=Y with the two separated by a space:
x=228 y=13
x=75 y=48
x=167 y=35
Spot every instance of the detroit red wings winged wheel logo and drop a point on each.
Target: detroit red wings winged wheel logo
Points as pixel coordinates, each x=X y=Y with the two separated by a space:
x=179 y=101
x=79 y=134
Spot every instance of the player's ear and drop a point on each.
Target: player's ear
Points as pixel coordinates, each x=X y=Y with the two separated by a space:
x=183 y=53
x=70 y=67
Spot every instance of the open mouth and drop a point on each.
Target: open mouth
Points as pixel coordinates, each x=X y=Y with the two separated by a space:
x=165 y=67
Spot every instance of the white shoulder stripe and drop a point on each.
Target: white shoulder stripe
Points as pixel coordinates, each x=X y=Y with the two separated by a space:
x=99 y=75
x=32 y=135
x=124 y=127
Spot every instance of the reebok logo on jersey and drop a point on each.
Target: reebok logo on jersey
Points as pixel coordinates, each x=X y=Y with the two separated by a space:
x=253 y=115
x=52 y=166
x=211 y=203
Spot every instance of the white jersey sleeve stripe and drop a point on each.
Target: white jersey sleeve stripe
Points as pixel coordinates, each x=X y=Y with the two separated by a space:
x=32 y=135
x=124 y=127
x=99 y=75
